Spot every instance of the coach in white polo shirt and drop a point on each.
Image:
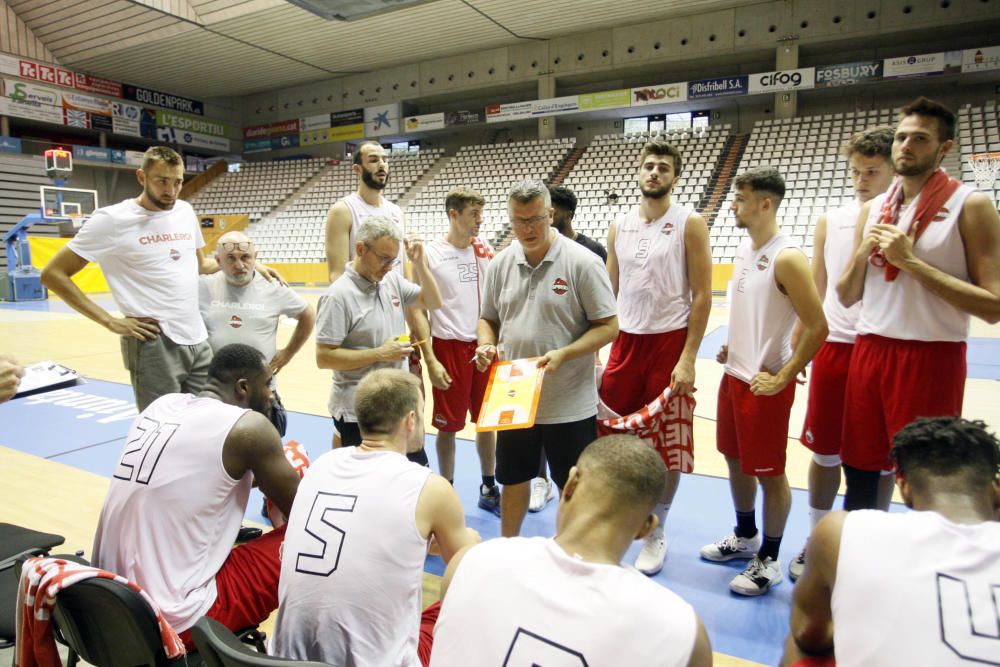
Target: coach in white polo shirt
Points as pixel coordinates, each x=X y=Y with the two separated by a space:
x=545 y=296
x=150 y=251
x=240 y=306
x=361 y=324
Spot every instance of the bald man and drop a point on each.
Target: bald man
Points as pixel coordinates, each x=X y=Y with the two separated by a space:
x=240 y=306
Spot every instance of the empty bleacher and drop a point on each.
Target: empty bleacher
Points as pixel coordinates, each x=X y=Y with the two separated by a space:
x=979 y=132
x=295 y=232
x=611 y=164
x=491 y=169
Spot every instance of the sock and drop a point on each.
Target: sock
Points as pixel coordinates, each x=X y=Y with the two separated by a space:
x=769 y=547
x=862 y=488
x=746 y=524
x=660 y=511
x=815 y=516
x=489 y=481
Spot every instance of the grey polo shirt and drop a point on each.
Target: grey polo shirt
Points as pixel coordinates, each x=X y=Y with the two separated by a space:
x=357 y=314
x=548 y=307
x=247 y=314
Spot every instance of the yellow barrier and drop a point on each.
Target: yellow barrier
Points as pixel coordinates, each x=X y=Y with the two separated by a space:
x=308 y=274
x=43 y=249
x=721 y=275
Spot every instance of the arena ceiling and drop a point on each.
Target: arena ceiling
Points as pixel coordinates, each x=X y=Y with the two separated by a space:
x=210 y=48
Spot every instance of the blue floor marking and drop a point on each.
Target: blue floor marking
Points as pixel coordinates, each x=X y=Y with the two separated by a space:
x=85 y=426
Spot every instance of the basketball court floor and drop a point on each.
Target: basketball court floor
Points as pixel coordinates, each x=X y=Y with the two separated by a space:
x=57 y=451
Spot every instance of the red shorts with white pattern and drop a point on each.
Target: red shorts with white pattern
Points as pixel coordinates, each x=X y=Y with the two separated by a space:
x=822 y=431
x=468 y=385
x=753 y=429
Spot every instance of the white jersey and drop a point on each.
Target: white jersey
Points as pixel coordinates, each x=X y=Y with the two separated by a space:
x=761 y=316
x=654 y=295
x=150 y=261
x=838 y=249
x=459 y=274
x=172 y=511
x=904 y=308
x=353 y=562
x=916 y=589
x=546 y=607
x=360 y=210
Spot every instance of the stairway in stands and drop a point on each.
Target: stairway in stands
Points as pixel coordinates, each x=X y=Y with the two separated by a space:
x=722 y=179
x=568 y=164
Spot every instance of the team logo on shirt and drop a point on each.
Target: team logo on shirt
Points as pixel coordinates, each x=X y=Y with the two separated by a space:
x=668 y=229
x=763 y=263
x=175 y=254
x=560 y=286
x=809 y=436
x=394 y=299
x=235 y=321
x=440 y=420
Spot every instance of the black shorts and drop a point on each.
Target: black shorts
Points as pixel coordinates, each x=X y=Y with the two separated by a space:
x=519 y=450
x=350 y=436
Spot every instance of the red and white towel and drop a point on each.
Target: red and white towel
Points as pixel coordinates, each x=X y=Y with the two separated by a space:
x=666 y=423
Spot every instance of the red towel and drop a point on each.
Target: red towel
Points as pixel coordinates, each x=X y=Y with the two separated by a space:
x=295 y=452
x=41 y=580
x=666 y=423
x=936 y=191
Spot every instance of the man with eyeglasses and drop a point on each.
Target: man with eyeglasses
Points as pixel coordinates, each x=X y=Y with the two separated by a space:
x=545 y=296
x=361 y=322
x=239 y=306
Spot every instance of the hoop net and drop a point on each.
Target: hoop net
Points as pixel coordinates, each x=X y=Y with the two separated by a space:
x=985 y=166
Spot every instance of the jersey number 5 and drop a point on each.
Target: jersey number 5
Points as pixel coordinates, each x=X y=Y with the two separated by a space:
x=142 y=452
x=329 y=539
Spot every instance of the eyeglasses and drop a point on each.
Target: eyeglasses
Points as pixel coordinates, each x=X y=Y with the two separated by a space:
x=386 y=261
x=242 y=246
x=538 y=219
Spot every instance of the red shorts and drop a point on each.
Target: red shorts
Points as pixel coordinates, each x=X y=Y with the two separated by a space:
x=247 y=584
x=891 y=382
x=468 y=386
x=822 y=431
x=639 y=368
x=753 y=429
x=428 y=619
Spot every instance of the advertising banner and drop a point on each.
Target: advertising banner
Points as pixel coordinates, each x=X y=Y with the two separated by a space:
x=320 y=122
x=88 y=103
x=981 y=60
x=31 y=110
x=463 y=117
x=606 y=99
x=783 y=80
x=913 y=66
x=125 y=119
x=117 y=156
x=195 y=139
x=286 y=141
x=349 y=117
x=848 y=74
x=497 y=113
x=256 y=131
x=555 y=106
x=661 y=94
x=382 y=120
x=283 y=127
x=75 y=118
x=257 y=145
x=102 y=123
x=10 y=145
x=134 y=158
x=165 y=100
x=22 y=91
x=95 y=84
x=726 y=86
x=190 y=123
x=45 y=73
x=430 y=121
x=92 y=153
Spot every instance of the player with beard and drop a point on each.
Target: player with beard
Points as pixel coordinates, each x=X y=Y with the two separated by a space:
x=927 y=256
x=660 y=267
x=150 y=252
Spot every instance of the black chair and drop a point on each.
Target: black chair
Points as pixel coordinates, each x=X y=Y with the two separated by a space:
x=17 y=544
x=219 y=647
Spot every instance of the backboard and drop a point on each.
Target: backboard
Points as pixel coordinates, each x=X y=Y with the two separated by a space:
x=66 y=203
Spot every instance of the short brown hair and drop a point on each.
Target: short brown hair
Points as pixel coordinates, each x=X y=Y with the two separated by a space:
x=383 y=399
x=631 y=472
x=763 y=179
x=876 y=141
x=460 y=197
x=661 y=148
x=164 y=154
x=357 y=153
x=928 y=108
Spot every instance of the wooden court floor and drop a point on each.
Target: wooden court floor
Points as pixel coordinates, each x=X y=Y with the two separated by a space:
x=38 y=492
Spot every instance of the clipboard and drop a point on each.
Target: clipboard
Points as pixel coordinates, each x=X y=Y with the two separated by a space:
x=512 y=393
x=46 y=376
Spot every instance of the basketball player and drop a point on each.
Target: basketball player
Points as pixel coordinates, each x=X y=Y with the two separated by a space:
x=361 y=321
x=564 y=205
x=10 y=376
x=545 y=296
x=568 y=600
x=914 y=588
x=459 y=263
x=771 y=287
x=927 y=256
x=239 y=306
x=869 y=156
x=150 y=252
x=180 y=490
x=356 y=540
x=660 y=266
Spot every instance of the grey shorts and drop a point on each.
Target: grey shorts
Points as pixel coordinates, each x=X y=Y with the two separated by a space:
x=161 y=366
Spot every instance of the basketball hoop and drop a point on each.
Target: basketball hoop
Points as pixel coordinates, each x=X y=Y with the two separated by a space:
x=985 y=166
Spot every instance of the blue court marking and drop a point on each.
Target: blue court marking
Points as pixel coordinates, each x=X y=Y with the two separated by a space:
x=982 y=354
x=85 y=427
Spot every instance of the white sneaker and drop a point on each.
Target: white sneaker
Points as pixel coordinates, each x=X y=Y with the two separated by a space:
x=542 y=491
x=796 y=567
x=757 y=578
x=730 y=547
x=653 y=553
